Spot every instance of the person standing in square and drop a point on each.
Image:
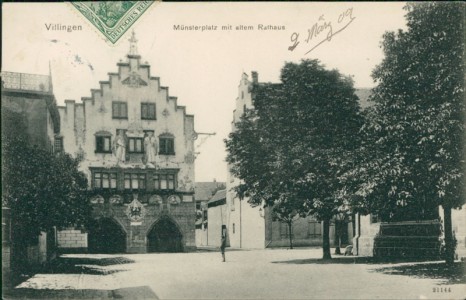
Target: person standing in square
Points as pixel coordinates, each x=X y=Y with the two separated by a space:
x=223 y=245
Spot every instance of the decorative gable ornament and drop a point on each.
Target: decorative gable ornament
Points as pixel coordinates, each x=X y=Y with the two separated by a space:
x=134 y=80
x=135 y=130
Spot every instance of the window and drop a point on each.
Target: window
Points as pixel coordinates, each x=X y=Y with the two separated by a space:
x=284 y=230
x=58 y=144
x=232 y=197
x=134 y=181
x=167 y=145
x=104 y=180
x=148 y=111
x=103 y=144
x=119 y=110
x=135 y=145
x=315 y=229
x=233 y=228
x=164 y=181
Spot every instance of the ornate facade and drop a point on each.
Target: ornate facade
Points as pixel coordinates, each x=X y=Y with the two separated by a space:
x=136 y=146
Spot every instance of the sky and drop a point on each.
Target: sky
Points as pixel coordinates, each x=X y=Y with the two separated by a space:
x=202 y=68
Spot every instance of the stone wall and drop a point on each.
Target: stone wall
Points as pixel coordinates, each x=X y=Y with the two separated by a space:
x=71 y=240
x=36 y=116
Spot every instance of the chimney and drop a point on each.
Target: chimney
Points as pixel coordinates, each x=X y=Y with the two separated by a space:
x=255 y=77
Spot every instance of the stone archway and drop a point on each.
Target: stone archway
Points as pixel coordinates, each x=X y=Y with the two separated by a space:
x=106 y=236
x=164 y=236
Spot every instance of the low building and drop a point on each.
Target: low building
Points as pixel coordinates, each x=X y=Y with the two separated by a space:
x=203 y=192
x=217 y=216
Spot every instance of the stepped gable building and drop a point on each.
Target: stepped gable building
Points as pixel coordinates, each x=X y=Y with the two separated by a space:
x=136 y=146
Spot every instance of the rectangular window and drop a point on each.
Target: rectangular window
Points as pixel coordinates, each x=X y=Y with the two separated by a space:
x=167 y=146
x=148 y=111
x=58 y=145
x=102 y=144
x=105 y=180
x=164 y=182
x=284 y=230
x=171 y=181
x=134 y=181
x=315 y=229
x=97 y=180
x=119 y=110
x=232 y=197
x=135 y=145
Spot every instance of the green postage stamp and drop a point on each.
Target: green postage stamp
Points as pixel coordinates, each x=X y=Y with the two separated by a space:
x=112 y=18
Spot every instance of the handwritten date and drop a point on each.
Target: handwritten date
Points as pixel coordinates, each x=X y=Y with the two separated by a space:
x=323 y=30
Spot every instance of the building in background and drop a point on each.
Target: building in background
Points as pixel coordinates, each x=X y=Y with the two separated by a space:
x=30 y=97
x=217 y=216
x=136 y=146
x=203 y=192
x=253 y=227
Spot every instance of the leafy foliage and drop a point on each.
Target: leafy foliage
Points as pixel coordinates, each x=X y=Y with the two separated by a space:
x=412 y=157
x=413 y=137
x=296 y=141
x=41 y=189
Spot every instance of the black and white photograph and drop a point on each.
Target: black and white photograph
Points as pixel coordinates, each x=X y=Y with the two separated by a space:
x=233 y=150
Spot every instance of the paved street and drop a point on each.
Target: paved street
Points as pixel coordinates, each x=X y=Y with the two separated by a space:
x=266 y=274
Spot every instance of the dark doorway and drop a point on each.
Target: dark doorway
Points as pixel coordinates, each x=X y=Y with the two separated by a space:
x=164 y=237
x=341 y=234
x=106 y=236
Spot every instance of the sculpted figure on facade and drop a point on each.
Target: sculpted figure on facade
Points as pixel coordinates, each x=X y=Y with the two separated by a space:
x=150 y=146
x=120 y=147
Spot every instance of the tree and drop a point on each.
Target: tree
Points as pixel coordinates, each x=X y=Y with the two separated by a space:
x=413 y=148
x=286 y=212
x=42 y=190
x=295 y=142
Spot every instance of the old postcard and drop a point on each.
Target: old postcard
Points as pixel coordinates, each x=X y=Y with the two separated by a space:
x=233 y=150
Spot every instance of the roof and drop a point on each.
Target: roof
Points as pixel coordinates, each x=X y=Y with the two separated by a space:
x=203 y=191
x=363 y=95
x=219 y=195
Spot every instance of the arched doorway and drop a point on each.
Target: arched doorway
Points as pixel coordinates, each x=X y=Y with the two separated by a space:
x=106 y=236
x=164 y=237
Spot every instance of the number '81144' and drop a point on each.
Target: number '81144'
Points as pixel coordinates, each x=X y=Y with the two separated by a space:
x=441 y=290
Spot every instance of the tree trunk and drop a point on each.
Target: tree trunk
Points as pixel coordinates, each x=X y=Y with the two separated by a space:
x=326 y=240
x=449 y=243
x=337 y=237
x=290 y=232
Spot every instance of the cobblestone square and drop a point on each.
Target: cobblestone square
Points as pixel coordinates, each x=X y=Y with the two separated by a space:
x=254 y=274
